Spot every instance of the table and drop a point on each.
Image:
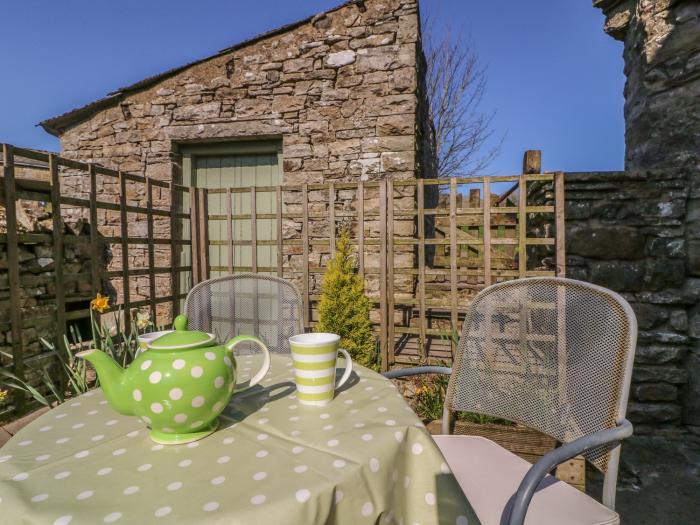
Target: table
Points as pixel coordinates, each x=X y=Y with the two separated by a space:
x=365 y=458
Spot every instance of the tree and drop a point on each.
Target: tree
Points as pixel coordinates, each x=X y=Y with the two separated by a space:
x=344 y=309
x=455 y=82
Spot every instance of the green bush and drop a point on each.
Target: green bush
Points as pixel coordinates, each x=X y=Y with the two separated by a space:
x=429 y=396
x=429 y=399
x=344 y=309
x=115 y=342
x=430 y=391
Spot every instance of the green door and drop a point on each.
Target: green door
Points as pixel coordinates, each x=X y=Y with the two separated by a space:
x=247 y=165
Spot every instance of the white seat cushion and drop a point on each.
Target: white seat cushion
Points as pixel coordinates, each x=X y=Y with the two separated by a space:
x=490 y=475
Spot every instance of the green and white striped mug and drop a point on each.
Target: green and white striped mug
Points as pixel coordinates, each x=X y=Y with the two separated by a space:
x=315 y=358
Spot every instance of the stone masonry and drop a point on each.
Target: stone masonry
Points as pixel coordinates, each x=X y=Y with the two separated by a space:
x=37 y=262
x=662 y=64
x=626 y=231
x=650 y=218
x=340 y=90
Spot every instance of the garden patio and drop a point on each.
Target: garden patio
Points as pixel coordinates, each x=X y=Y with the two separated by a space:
x=423 y=248
x=465 y=243
x=276 y=284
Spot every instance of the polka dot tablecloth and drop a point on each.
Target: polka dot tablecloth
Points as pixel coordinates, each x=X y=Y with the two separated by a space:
x=365 y=458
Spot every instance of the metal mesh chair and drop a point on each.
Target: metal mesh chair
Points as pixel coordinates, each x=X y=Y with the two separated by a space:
x=555 y=355
x=247 y=303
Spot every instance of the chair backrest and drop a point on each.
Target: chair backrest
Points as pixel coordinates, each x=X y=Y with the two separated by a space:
x=246 y=303
x=553 y=354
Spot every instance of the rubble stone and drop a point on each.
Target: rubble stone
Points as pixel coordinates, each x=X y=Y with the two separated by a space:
x=658 y=195
x=613 y=240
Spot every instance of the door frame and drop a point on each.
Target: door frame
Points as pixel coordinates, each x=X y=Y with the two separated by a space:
x=196 y=200
x=190 y=152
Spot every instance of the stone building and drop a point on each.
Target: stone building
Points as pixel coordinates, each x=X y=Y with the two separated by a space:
x=338 y=91
x=335 y=97
x=639 y=232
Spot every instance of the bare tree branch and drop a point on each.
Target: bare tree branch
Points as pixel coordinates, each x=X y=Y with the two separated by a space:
x=455 y=85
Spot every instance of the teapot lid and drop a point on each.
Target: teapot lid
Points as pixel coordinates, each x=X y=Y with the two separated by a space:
x=182 y=338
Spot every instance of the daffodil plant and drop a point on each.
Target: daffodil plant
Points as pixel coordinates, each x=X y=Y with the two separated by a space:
x=112 y=339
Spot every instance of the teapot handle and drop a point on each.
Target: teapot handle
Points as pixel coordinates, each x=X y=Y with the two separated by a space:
x=264 y=369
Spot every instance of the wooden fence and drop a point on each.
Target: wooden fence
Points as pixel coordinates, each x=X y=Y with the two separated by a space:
x=111 y=218
x=424 y=247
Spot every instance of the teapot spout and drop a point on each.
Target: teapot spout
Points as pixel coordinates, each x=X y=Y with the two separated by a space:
x=111 y=377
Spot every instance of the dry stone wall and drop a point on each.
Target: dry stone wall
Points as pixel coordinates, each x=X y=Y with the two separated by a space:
x=626 y=231
x=662 y=116
x=662 y=64
x=37 y=264
x=340 y=90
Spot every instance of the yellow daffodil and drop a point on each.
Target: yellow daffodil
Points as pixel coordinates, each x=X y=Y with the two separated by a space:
x=3 y=395
x=100 y=303
x=143 y=320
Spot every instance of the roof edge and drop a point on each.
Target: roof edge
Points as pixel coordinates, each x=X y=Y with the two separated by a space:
x=60 y=123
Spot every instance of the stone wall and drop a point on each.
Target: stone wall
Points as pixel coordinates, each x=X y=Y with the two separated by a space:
x=662 y=116
x=341 y=91
x=662 y=64
x=626 y=231
x=38 y=290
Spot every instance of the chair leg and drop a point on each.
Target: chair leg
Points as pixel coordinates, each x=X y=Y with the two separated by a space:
x=446 y=421
x=610 y=481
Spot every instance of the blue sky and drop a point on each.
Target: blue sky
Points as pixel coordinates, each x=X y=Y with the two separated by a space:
x=555 y=79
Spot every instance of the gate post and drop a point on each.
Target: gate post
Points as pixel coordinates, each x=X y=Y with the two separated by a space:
x=199 y=218
x=204 y=232
x=560 y=224
x=383 y=333
x=13 y=271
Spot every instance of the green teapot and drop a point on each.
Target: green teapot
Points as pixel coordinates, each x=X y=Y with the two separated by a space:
x=179 y=385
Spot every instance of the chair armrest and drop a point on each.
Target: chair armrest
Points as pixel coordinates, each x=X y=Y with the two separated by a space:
x=414 y=371
x=539 y=470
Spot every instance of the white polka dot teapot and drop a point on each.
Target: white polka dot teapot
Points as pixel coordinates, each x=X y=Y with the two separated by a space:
x=179 y=386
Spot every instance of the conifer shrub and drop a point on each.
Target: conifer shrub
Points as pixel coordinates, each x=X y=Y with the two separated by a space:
x=344 y=309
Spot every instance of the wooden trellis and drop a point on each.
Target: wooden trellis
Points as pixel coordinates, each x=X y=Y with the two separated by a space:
x=469 y=242
x=48 y=190
x=424 y=247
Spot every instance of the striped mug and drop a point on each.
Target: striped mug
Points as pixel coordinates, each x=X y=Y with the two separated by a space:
x=315 y=357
